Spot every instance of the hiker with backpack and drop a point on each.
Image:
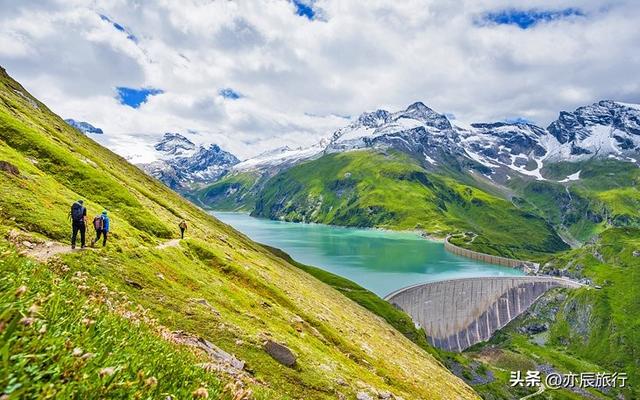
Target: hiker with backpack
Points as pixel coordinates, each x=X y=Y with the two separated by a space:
x=101 y=224
x=183 y=227
x=78 y=216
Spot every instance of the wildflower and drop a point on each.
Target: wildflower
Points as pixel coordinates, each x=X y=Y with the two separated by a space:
x=151 y=381
x=21 y=290
x=77 y=352
x=33 y=310
x=201 y=393
x=27 y=321
x=108 y=371
x=87 y=322
x=43 y=329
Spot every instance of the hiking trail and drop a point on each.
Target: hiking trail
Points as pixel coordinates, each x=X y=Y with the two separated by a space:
x=169 y=243
x=44 y=250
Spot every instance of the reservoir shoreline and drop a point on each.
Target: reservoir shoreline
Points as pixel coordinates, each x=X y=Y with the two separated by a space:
x=380 y=260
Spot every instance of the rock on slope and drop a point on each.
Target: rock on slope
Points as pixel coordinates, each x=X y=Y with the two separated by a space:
x=253 y=296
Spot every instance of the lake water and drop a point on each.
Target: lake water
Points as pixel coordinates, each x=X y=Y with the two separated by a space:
x=380 y=261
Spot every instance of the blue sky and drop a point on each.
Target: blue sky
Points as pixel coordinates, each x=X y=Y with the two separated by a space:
x=119 y=27
x=134 y=97
x=229 y=93
x=526 y=18
x=251 y=76
x=304 y=9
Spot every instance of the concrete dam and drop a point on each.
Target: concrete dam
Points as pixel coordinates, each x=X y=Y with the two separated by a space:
x=459 y=313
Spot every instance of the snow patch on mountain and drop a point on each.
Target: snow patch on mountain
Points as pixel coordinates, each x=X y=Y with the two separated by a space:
x=281 y=157
x=572 y=177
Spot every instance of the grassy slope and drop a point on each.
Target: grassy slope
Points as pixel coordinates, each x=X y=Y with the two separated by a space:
x=37 y=356
x=255 y=294
x=590 y=330
x=367 y=299
x=606 y=195
x=367 y=188
x=610 y=337
x=231 y=193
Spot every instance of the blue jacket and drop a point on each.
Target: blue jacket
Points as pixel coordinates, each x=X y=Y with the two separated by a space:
x=105 y=223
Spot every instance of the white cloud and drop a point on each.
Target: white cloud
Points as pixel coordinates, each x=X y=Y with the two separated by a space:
x=296 y=75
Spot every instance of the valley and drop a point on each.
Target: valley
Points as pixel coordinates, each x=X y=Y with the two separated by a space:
x=239 y=296
x=319 y=200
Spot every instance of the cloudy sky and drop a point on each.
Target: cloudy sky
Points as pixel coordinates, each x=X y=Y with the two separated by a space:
x=253 y=75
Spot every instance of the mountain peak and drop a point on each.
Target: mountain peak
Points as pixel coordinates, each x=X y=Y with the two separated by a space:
x=175 y=144
x=374 y=119
x=576 y=125
x=418 y=105
x=83 y=127
x=426 y=115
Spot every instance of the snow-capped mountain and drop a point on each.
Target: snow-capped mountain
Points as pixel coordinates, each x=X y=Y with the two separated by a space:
x=382 y=126
x=84 y=127
x=418 y=130
x=175 y=145
x=181 y=162
x=281 y=157
x=498 y=150
x=606 y=128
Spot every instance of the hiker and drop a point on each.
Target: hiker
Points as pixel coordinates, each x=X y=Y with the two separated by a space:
x=101 y=224
x=183 y=227
x=78 y=218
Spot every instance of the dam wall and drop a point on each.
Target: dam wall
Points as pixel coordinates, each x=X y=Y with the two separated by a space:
x=488 y=258
x=458 y=313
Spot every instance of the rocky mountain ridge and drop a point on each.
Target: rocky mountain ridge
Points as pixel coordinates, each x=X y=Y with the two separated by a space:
x=182 y=163
x=498 y=150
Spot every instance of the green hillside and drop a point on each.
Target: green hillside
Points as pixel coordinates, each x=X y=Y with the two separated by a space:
x=390 y=190
x=123 y=305
x=605 y=195
x=594 y=329
x=234 y=192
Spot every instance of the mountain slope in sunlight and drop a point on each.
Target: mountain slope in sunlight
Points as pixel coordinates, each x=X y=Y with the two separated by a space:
x=216 y=284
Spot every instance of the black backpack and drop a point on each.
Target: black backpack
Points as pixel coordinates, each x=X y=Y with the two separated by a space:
x=77 y=212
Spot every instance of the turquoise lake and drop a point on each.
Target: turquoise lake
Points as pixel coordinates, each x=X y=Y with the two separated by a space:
x=380 y=261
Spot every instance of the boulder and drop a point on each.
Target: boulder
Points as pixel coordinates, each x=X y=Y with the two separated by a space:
x=9 y=168
x=363 y=396
x=280 y=353
x=133 y=284
x=636 y=253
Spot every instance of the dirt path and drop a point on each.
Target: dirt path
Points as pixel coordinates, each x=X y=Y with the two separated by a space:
x=44 y=251
x=169 y=243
